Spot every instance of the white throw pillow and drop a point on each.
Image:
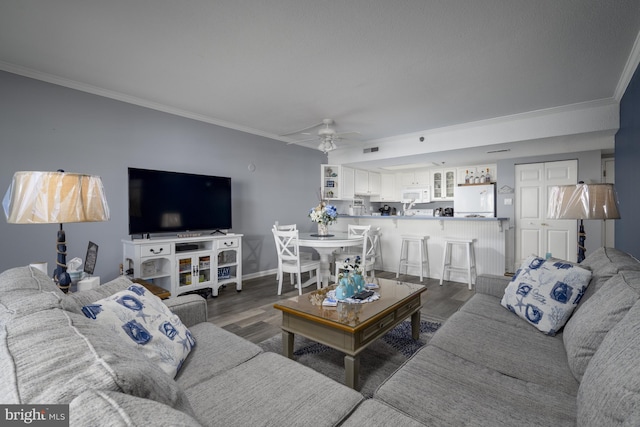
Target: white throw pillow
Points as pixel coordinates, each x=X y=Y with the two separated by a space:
x=545 y=292
x=143 y=320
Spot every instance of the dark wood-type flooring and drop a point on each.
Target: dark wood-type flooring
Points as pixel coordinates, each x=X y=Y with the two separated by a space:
x=250 y=313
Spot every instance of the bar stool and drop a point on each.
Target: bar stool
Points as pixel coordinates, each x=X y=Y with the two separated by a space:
x=470 y=268
x=404 y=254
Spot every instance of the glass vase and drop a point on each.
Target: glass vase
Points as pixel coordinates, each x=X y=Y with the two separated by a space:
x=341 y=289
x=358 y=282
x=323 y=229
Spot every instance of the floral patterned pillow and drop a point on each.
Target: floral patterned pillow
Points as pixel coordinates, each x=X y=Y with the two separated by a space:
x=545 y=292
x=143 y=320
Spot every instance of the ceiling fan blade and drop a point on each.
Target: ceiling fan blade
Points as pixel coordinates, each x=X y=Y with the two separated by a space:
x=347 y=133
x=302 y=140
x=303 y=129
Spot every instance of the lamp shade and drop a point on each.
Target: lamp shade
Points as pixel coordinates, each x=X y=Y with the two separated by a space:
x=583 y=201
x=55 y=197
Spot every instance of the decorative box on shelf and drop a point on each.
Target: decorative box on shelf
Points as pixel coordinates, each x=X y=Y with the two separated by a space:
x=148 y=268
x=205 y=262
x=224 y=272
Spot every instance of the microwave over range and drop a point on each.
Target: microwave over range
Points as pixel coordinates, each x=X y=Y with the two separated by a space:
x=416 y=195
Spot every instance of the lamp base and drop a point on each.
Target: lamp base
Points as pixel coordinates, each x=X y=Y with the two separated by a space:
x=582 y=236
x=60 y=275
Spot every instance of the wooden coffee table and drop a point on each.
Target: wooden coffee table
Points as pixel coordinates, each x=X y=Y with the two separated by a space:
x=350 y=328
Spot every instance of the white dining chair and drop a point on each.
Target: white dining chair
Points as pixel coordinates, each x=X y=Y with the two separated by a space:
x=362 y=251
x=354 y=231
x=289 y=260
x=372 y=252
x=284 y=227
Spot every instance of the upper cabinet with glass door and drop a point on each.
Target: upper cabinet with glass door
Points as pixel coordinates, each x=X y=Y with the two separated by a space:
x=443 y=181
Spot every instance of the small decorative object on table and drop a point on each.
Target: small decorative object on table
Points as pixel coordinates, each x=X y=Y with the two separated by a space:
x=324 y=214
x=350 y=281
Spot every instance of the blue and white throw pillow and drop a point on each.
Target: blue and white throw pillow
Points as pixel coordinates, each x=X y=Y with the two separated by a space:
x=545 y=292
x=142 y=319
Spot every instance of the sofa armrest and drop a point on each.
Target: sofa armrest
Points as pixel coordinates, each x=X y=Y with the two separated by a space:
x=491 y=284
x=191 y=309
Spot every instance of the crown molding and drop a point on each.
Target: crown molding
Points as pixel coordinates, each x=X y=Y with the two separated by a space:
x=629 y=69
x=94 y=90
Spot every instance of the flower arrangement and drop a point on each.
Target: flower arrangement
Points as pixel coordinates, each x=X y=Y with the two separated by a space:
x=354 y=266
x=323 y=213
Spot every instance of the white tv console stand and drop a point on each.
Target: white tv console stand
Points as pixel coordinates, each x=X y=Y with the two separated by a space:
x=183 y=264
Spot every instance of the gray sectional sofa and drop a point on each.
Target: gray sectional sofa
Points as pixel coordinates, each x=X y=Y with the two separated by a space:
x=485 y=366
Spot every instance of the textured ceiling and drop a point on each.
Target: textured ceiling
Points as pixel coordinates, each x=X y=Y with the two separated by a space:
x=379 y=67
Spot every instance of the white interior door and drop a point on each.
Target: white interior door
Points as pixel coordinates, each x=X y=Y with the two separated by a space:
x=535 y=233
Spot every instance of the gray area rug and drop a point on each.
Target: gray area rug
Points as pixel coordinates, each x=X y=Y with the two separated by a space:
x=377 y=362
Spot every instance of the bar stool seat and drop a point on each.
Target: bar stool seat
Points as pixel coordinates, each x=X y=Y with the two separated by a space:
x=423 y=263
x=469 y=268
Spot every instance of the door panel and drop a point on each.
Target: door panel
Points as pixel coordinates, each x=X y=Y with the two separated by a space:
x=530 y=203
x=535 y=234
x=559 y=242
x=529 y=242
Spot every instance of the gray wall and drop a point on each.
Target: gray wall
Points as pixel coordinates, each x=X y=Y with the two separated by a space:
x=49 y=127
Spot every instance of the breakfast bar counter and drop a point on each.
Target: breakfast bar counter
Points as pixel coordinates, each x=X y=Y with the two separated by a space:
x=489 y=235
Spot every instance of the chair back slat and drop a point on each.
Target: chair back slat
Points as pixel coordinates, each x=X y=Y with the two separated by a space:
x=287 y=245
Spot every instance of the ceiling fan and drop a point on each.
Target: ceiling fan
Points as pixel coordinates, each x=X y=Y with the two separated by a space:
x=327 y=135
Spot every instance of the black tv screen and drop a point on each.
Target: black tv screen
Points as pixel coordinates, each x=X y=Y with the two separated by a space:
x=165 y=202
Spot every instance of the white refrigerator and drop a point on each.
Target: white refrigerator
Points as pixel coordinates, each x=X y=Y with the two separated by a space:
x=474 y=201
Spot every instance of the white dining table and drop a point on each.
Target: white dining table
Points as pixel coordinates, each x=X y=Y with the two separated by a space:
x=326 y=245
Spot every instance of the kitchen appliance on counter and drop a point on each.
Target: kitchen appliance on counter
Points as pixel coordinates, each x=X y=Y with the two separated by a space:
x=385 y=210
x=474 y=201
x=357 y=208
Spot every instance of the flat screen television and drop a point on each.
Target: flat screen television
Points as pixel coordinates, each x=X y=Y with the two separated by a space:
x=166 y=202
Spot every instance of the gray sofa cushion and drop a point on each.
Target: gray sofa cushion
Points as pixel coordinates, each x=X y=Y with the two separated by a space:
x=585 y=331
x=24 y=290
x=190 y=308
x=490 y=284
x=51 y=356
x=375 y=413
x=489 y=306
x=271 y=390
x=102 y=408
x=25 y=279
x=75 y=301
x=217 y=351
x=604 y=263
x=609 y=393
x=520 y=353
x=441 y=389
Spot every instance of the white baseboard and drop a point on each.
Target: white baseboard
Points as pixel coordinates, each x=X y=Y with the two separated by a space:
x=264 y=273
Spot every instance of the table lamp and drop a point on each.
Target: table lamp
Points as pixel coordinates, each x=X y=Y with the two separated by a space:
x=583 y=201
x=55 y=198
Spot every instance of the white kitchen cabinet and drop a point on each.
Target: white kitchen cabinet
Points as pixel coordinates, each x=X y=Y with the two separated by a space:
x=367 y=183
x=182 y=265
x=443 y=181
x=414 y=178
x=348 y=189
x=389 y=189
